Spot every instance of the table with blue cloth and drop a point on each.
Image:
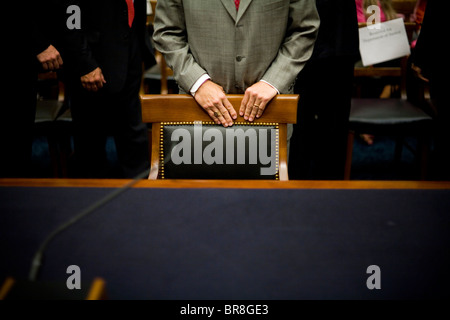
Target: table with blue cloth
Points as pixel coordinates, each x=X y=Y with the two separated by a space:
x=234 y=240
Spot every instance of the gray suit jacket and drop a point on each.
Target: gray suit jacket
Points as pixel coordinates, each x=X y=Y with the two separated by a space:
x=267 y=40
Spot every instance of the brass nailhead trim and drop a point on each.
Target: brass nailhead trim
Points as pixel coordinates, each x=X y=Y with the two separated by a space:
x=178 y=123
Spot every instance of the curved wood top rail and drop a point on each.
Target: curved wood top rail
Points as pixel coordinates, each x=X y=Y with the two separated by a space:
x=183 y=107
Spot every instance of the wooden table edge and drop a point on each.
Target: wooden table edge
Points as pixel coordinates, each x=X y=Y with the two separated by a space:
x=226 y=184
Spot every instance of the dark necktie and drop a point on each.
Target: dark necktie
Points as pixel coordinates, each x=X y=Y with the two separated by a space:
x=130 y=12
x=236 y=2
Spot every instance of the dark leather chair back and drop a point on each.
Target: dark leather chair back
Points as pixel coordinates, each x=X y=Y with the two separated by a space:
x=208 y=151
x=186 y=144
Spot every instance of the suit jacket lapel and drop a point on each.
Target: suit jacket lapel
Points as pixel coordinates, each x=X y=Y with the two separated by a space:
x=242 y=8
x=231 y=8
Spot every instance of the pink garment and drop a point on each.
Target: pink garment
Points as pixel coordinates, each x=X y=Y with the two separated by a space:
x=361 y=12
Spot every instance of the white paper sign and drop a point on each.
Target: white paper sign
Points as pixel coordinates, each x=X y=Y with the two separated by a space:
x=383 y=42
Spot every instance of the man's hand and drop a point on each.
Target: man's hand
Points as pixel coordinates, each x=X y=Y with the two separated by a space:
x=418 y=73
x=213 y=100
x=255 y=100
x=93 y=81
x=50 y=59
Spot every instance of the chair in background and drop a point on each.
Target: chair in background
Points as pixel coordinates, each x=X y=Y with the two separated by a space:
x=267 y=135
x=54 y=121
x=159 y=72
x=394 y=116
x=15 y=290
x=404 y=7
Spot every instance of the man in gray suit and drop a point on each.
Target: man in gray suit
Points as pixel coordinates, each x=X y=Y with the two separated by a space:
x=255 y=47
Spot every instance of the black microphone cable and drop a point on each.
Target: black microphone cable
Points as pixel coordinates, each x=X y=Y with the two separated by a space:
x=38 y=257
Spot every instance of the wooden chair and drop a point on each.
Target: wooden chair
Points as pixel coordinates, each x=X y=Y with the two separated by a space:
x=13 y=289
x=161 y=71
x=405 y=7
x=393 y=116
x=54 y=121
x=151 y=15
x=167 y=113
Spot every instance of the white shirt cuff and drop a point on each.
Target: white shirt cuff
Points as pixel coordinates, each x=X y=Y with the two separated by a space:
x=270 y=85
x=198 y=83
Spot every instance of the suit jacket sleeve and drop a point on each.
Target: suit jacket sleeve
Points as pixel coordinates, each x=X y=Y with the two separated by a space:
x=43 y=33
x=299 y=25
x=77 y=47
x=170 y=38
x=297 y=48
x=39 y=41
x=429 y=53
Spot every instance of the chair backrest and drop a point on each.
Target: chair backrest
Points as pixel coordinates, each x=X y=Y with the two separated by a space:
x=397 y=72
x=405 y=7
x=186 y=144
x=151 y=15
x=165 y=71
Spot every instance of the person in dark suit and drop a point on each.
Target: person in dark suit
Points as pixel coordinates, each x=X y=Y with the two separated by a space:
x=318 y=144
x=429 y=60
x=40 y=54
x=105 y=60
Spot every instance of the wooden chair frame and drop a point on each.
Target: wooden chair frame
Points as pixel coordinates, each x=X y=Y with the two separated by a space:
x=400 y=73
x=97 y=290
x=165 y=71
x=158 y=108
x=405 y=7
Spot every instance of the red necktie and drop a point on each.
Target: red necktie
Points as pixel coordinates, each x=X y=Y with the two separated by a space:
x=130 y=5
x=236 y=2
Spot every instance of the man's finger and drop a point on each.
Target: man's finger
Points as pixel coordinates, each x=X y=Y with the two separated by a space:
x=261 y=109
x=60 y=60
x=249 y=107
x=254 y=112
x=99 y=84
x=55 y=64
x=230 y=109
x=50 y=65
x=214 y=115
x=94 y=88
x=221 y=114
x=243 y=105
x=228 y=112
